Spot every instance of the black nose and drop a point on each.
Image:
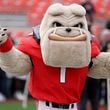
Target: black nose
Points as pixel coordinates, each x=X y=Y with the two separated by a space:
x=68 y=29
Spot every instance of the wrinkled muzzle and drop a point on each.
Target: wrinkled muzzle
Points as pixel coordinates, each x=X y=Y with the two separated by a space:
x=66 y=47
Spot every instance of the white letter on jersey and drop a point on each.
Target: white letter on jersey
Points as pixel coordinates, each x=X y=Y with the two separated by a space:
x=62 y=74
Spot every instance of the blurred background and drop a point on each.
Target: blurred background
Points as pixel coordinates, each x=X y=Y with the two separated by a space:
x=19 y=16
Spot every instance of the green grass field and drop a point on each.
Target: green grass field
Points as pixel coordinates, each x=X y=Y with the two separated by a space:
x=14 y=105
x=17 y=106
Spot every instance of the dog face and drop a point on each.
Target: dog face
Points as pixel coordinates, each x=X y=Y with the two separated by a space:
x=65 y=40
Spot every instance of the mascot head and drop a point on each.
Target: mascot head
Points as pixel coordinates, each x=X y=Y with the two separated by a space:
x=65 y=39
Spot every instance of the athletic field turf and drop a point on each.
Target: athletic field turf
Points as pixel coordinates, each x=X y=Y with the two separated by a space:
x=16 y=106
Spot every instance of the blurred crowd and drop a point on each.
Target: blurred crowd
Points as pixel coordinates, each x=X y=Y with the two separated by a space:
x=11 y=87
x=95 y=91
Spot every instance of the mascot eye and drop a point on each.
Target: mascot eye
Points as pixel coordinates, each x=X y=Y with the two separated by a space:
x=80 y=25
x=57 y=24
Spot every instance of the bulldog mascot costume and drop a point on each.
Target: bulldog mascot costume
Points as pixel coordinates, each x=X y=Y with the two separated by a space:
x=60 y=62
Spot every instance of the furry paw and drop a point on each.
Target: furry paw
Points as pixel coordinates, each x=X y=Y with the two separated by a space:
x=3 y=35
x=101 y=66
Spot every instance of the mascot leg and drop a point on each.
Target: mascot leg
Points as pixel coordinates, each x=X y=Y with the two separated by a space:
x=45 y=105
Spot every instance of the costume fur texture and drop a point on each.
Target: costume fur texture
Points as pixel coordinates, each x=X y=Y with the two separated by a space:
x=101 y=66
x=15 y=62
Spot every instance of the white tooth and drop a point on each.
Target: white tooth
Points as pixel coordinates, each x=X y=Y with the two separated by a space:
x=80 y=29
x=79 y=25
x=54 y=31
x=55 y=25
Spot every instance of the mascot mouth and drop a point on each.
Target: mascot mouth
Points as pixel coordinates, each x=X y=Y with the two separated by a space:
x=56 y=37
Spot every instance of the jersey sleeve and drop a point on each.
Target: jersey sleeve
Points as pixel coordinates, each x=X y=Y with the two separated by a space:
x=24 y=45
x=95 y=47
x=6 y=46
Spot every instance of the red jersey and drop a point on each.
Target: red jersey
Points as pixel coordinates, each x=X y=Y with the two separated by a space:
x=45 y=80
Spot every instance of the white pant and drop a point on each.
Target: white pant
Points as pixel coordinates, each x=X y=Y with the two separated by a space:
x=41 y=105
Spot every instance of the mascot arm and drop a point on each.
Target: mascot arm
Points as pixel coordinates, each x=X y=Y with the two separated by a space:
x=12 y=61
x=15 y=63
x=101 y=66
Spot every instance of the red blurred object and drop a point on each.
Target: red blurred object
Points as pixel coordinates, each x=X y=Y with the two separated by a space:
x=71 y=1
x=16 y=6
x=96 y=29
x=36 y=14
x=101 y=8
x=16 y=34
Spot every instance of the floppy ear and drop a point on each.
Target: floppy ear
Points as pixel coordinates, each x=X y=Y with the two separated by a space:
x=56 y=9
x=101 y=66
x=78 y=10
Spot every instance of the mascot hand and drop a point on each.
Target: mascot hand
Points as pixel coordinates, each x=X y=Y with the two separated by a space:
x=3 y=35
x=101 y=66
